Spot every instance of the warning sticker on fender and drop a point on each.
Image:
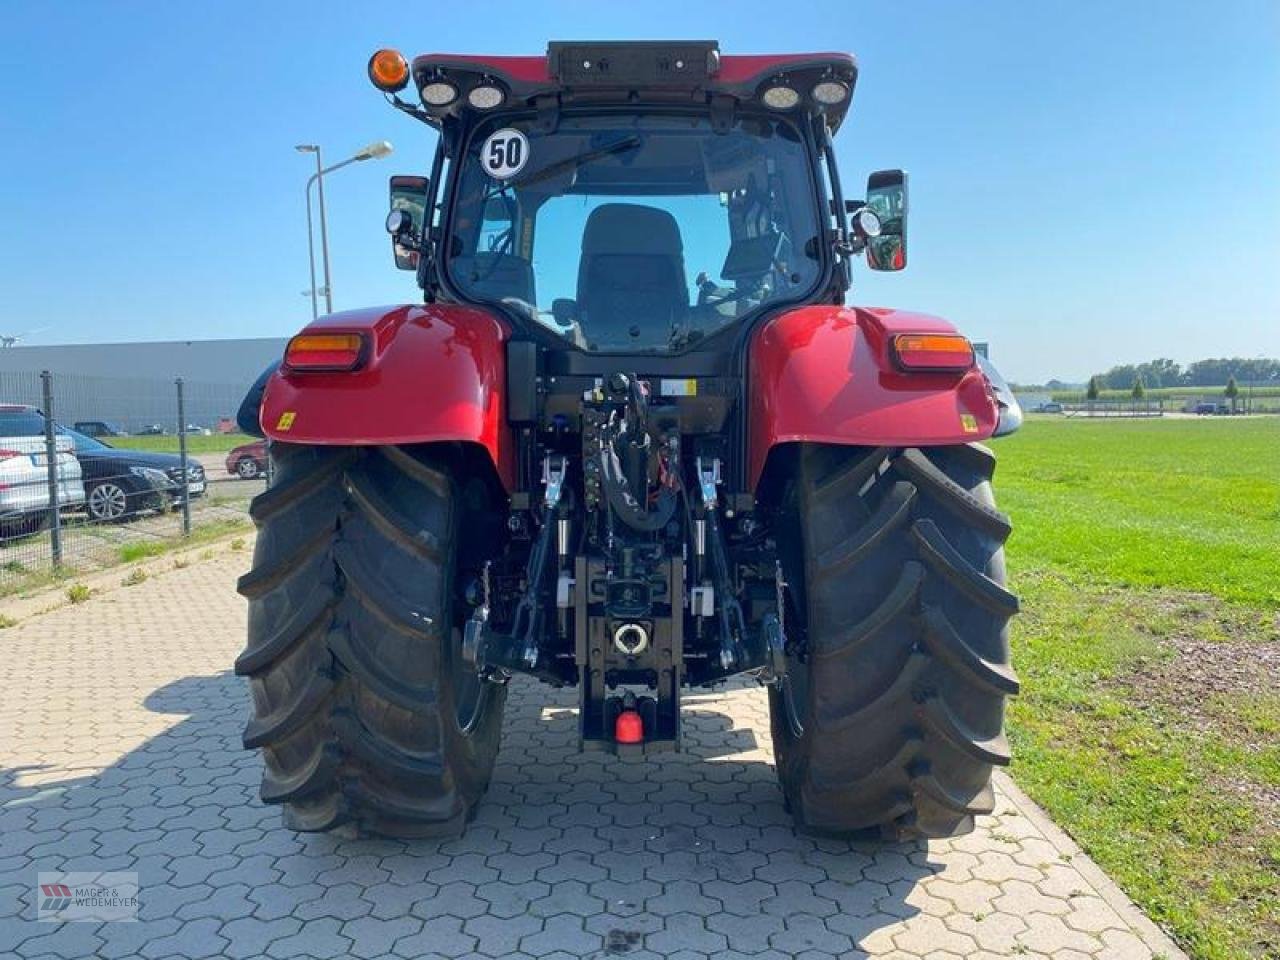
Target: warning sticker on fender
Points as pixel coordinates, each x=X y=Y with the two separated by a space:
x=968 y=423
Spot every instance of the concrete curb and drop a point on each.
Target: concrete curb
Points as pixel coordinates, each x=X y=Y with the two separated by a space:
x=1139 y=923
x=110 y=579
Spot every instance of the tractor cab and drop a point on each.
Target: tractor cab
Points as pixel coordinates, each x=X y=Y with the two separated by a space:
x=638 y=198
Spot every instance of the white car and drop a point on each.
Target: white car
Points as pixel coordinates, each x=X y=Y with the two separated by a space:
x=24 y=473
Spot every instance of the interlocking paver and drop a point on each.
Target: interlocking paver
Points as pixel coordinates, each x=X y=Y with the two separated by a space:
x=250 y=936
x=500 y=936
x=374 y=936
x=317 y=938
x=451 y=900
x=562 y=934
x=119 y=738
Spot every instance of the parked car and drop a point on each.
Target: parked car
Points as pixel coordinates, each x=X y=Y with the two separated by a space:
x=195 y=431
x=1208 y=408
x=1053 y=406
x=123 y=483
x=98 y=428
x=24 y=472
x=152 y=430
x=249 y=460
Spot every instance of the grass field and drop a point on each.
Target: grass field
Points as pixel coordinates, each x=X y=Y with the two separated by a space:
x=217 y=443
x=1147 y=556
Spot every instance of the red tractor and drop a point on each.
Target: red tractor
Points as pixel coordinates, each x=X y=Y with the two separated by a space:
x=631 y=441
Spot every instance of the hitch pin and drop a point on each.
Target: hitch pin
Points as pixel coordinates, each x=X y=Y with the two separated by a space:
x=708 y=479
x=554 y=467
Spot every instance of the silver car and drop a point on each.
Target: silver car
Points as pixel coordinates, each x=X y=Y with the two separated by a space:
x=24 y=473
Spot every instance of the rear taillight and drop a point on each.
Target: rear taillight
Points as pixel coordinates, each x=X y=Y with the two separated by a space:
x=324 y=351
x=932 y=352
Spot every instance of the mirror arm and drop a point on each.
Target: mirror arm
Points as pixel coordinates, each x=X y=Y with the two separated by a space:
x=426 y=244
x=833 y=175
x=844 y=250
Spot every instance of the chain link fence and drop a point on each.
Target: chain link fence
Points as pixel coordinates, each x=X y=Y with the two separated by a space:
x=96 y=471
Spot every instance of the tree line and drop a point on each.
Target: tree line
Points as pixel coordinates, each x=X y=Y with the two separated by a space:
x=1168 y=373
x=1203 y=373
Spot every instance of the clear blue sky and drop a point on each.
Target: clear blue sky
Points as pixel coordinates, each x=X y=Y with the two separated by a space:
x=1091 y=182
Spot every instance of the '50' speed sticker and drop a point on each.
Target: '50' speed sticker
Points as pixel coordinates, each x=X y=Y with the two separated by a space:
x=504 y=153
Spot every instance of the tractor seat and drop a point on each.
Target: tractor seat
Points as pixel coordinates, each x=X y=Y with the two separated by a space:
x=631 y=276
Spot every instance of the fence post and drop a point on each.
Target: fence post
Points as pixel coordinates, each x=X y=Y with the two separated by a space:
x=51 y=469
x=182 y=456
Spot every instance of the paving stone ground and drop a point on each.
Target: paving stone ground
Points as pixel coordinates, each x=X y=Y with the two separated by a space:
x=120 y=750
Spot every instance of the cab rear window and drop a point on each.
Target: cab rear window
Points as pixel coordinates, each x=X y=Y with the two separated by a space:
x=21 y=423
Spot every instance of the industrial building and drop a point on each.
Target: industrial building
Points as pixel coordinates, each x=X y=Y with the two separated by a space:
x=132 y=385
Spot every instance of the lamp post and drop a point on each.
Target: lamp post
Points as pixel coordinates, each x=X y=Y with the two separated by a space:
x=374 y=151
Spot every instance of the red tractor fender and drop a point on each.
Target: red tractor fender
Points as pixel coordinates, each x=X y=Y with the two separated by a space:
x=430 y=373
x=824 y=374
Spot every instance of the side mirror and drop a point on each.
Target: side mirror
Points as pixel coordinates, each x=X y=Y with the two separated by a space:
x=407 y=219
x=887 y=198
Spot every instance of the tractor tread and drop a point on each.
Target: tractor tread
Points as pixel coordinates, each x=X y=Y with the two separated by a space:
x=903 y=594
x=288 y=492
x=260 y=580
x=314 y=814
x=380 y=804
x=946 y=643
x=292 y=714
x=354 y=555
x=983 y=802
x=938 y=717
x=865 y=714
x=367 y=672
x=310 y=616
x=391 y=523
x=906 y=655
x=309 y=779
x=892 y=771
x=433 y=479
x=948 y=561
x=892 y=513
x=850 y=479
x=976 y=456
x=913 y=464
x=378 y=597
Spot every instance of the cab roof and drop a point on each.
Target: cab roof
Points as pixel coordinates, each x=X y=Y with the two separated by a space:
x=641 y=73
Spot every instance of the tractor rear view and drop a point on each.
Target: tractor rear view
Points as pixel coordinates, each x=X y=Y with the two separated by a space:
x=631 y=441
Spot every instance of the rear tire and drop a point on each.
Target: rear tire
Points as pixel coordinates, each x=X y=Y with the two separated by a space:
x=891 y=716
x=361 y=705
x=23 y=525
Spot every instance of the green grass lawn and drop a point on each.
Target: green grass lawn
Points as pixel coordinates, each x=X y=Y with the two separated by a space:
x=217 y=443
x=1147 y=556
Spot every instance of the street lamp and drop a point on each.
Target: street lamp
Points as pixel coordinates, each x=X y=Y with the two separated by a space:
x=374 y=151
